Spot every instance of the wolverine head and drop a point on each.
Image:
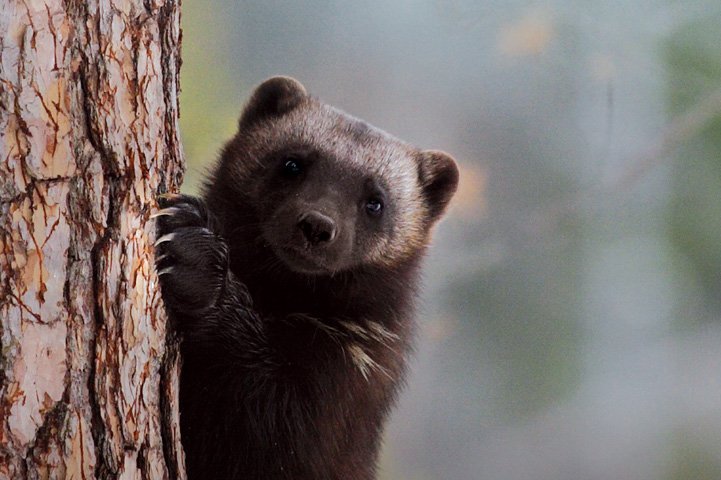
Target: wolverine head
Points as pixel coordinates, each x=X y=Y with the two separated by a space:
x=326 y=191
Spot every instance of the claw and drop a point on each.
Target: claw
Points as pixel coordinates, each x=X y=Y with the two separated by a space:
x=164 y=271
x=165 y=238
x=162 y=257
x=169 y=212
x=168 y=196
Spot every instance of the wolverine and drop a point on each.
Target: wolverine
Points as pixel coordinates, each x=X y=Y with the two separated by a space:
x=292 y=281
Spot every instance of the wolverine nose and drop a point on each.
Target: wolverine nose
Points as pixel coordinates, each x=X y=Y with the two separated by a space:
x=317 y=228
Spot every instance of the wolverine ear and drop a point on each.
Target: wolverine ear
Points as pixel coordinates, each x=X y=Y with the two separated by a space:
x=438 y=174
x=273 y=97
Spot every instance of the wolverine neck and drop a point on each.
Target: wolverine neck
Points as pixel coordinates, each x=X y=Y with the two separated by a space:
x=366 y=292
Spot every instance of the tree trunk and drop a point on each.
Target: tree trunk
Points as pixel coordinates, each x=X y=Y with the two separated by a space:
x=89 y=137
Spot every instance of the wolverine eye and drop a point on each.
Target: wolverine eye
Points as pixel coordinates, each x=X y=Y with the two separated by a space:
x=374 y=207
x=292 y=168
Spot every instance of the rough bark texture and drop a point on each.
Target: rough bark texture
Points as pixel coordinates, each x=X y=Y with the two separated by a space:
x=89 y=137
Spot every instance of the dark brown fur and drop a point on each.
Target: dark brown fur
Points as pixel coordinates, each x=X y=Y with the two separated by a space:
x=294 y=351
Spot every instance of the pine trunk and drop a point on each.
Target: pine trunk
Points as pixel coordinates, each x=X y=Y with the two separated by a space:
x=88 y=138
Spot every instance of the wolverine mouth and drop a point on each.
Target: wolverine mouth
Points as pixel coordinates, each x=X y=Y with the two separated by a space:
x=301 y=261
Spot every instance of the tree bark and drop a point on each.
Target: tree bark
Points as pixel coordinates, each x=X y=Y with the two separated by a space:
x=89 y=137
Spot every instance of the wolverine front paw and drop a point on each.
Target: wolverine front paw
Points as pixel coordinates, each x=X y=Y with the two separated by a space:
x=191 y=260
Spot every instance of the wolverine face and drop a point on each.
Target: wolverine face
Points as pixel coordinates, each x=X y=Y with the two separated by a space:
x=320 y=214
x=332 y=193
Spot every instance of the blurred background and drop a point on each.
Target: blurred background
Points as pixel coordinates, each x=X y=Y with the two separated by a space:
x=571 y=317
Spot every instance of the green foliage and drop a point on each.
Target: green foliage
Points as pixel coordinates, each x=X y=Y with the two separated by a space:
x=692 y=459
x=694 y=64
x=523 y=314
x=210 y=100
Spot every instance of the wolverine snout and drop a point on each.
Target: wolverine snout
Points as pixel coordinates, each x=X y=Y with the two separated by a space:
x=317 y=228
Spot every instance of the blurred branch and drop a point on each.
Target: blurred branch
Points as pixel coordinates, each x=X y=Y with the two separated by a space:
x=545 y=222
x=681 y=128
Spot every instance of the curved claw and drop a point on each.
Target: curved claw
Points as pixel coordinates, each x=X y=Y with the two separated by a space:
x=165 y=238
x=168 y=196
x=164 y=271
x=165 y=212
